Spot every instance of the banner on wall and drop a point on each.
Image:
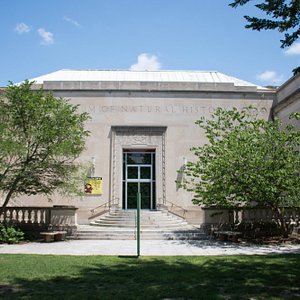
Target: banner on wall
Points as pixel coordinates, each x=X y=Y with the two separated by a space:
x=93 y=186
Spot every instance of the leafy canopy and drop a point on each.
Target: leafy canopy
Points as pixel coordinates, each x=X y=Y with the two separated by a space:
x=247 y=161
x=284 y=16
x=40 y=137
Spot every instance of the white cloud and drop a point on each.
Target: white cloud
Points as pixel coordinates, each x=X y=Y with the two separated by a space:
x=67 y=19
x=270 y=77
x=293 y=50
x=47 y=37
x=146 y=62
x=22 y=28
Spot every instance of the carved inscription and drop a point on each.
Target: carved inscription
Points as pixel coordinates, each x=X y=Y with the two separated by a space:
x=167 y=109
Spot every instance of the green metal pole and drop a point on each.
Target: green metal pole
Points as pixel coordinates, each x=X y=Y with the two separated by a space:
x=138 y=224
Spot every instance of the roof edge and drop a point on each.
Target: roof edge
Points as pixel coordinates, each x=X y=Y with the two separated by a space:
x=149 y=86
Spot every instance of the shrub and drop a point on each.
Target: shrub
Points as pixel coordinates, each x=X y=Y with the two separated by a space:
x=259 y=229
x=10 y=235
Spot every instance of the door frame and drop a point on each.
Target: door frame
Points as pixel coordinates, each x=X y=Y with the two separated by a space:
x=127 y=137
x=139 y=180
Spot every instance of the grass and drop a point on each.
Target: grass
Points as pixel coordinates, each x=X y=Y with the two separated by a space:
x=98 y=277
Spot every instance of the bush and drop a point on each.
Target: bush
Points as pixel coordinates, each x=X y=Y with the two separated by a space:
x=10 y=235
x=259 y=229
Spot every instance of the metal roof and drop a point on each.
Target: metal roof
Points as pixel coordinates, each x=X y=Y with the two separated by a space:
x=143 y=76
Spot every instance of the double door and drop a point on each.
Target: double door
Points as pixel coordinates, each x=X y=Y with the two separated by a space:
x=139 y=178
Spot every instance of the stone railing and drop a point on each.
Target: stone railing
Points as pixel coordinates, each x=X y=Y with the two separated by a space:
x=25 y=215
x=40 y=218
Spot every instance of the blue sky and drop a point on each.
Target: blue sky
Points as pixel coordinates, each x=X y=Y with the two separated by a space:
x=40 y=37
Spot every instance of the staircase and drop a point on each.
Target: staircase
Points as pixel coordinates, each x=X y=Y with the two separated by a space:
x=155 y=225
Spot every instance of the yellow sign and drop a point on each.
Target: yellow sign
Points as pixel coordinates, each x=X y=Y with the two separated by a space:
x=93 y=186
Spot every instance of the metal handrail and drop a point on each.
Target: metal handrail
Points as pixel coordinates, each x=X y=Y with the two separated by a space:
x=170 y=207
x=102 y=205
x=106 y=207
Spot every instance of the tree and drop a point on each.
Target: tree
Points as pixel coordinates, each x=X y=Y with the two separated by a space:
x=40 y=138
x=284 y=16
x=247 y=162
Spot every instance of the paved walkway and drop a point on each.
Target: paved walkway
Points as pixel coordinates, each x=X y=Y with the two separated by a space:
x=148 y=248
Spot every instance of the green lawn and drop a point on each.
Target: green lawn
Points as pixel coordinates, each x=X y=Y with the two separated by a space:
x=97 y=277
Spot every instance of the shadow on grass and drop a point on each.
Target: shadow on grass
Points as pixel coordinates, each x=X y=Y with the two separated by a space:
x=239 y=277
x=264 y=249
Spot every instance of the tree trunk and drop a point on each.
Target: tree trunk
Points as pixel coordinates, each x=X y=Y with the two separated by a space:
x=11 y=191
x=7 y=198
x=283 y=226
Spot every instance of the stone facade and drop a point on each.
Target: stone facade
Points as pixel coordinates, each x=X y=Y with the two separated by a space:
x=288 y=100
x=148 y=115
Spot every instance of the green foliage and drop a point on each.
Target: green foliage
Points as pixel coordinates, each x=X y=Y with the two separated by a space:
x=295 y=115
x=74 y=183
x=296 y=71
x=284 y=16
x=248 y=161
x=40 y=138
x=10 y=235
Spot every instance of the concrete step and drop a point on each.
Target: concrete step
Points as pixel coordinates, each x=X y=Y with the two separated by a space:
x=172 y=225
x=143 y=222
x=133 y=221
x=156 y=225
x=156 y=217
x=145 y=216
x=145 y=235
x=129 y=237
x=100 y=230
x=145 y=213
x=150 y=216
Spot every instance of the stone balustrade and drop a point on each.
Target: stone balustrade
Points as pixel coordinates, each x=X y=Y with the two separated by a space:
x=224 y=215
x=41 y=218
x=25 y=215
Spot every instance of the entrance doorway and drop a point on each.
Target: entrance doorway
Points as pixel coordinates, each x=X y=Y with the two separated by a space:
x=139 y=177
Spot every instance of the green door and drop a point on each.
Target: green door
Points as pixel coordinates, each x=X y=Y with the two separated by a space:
x=138 y=177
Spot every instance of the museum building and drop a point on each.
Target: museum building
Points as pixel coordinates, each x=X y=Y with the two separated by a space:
x=142 y=127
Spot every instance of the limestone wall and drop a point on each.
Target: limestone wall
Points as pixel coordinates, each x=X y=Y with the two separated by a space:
x=175 y=111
